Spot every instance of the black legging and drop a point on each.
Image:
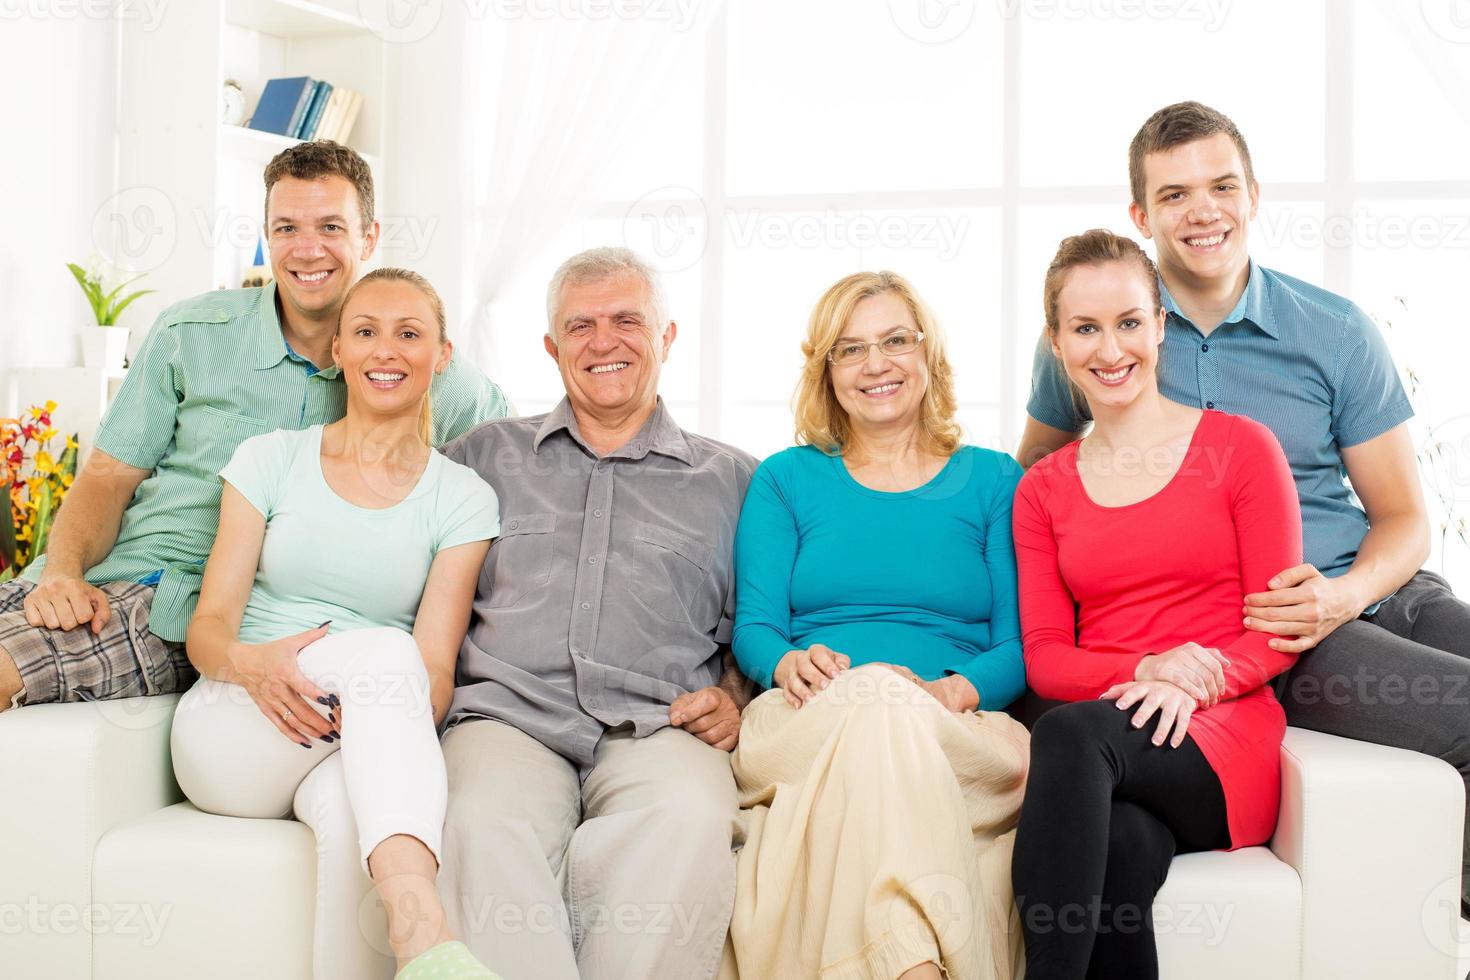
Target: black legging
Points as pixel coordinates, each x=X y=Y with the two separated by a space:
x=1105 y=812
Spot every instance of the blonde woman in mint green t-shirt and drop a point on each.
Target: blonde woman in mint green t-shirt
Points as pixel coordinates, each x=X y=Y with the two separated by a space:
x=333 y=606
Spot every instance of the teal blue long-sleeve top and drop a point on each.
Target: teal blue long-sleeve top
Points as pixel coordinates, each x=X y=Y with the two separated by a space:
x=924 y=578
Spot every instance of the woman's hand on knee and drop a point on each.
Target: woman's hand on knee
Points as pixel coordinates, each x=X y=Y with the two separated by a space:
x=1199 y=670
x=1174 y=706
x=270 y=674
x=803 y=673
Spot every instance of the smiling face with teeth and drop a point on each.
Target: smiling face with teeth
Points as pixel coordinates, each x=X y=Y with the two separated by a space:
x=317 y=244
x=609 y=346
x=1108 y=333
x=1197 y=209
x=390 y=347
x=881 y=392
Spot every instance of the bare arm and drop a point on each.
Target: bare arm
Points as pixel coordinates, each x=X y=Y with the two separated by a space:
x=267 y=671
x=1385 y=477
x=228 y=575
x=444 y=615
x=1040 y=440
x=85 y=531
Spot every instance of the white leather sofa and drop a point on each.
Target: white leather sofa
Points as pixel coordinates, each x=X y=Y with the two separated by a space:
x=106 y=873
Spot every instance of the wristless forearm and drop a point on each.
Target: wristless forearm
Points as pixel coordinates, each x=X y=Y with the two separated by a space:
x=1391 y=552
x=82 y=536
x=213 y=649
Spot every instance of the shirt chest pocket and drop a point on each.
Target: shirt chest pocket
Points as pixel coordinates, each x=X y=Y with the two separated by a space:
x=215 y=435
x=670 y=576
x=520 y=559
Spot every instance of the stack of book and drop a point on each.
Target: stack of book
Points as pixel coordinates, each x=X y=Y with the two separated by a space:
x=306 y=109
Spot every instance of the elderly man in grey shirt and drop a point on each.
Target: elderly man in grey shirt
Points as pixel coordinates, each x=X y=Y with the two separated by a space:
x=592 y=810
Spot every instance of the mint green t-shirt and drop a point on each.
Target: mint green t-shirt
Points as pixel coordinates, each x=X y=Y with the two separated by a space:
x=326 y=559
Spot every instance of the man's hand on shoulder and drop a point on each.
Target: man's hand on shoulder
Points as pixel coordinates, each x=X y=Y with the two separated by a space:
x=710 y=715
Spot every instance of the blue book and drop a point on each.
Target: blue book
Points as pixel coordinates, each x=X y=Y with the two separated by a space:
x=282 y=105
x=314 y=114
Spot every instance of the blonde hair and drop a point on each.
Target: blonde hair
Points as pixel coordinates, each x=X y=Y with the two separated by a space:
x=820 y=419
x=391 y=274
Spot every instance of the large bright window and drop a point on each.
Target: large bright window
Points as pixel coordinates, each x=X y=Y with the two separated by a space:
x=956 y=142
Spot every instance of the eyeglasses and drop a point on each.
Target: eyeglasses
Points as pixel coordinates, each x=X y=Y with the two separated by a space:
x=855 y=351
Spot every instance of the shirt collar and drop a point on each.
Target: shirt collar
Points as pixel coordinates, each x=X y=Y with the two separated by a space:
x=660 y=434
x=270 y=343
x=1253 y=307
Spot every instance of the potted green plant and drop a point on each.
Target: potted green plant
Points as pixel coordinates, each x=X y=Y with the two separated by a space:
x=105 y=345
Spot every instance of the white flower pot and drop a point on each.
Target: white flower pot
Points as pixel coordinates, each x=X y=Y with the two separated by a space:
x=104 y=347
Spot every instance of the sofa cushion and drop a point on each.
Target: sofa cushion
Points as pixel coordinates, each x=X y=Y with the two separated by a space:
x=1229 y=916
x=209 y=892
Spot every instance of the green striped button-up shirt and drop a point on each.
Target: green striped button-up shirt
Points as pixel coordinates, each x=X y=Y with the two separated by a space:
x=214 y=371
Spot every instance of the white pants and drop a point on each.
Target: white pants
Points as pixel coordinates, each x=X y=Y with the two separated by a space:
x=387 y=779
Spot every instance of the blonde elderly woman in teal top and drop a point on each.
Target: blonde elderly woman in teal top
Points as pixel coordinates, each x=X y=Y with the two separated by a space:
x=332 y=610
x=876 y=597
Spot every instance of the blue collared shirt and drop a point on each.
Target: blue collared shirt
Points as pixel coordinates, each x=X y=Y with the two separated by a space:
x=1303 y=361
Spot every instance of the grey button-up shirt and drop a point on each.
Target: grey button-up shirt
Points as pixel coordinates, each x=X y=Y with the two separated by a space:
x=610 y=589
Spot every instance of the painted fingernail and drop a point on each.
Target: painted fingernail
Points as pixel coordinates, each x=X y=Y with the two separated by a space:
x=334 y=700
x=327 y=623
x=336 y=734
x=304 y=745
x=324 y=702
x=327 y=738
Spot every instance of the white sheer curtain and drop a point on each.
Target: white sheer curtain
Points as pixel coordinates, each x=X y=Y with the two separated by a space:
x=554 y=98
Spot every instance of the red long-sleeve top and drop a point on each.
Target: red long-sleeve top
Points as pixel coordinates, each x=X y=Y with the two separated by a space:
x=1103 y=587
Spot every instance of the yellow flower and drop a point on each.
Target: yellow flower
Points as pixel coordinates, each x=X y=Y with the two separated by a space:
x=44 y=462
x=48 y=435
x=71 y=443
x=50 y=406
x=66 y=479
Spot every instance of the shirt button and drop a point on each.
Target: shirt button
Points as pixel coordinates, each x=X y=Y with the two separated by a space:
x=592 y=560
x=586 y=605
x=597 y=513
x=514 y=525
x=1209 y=404
x=1204 y=347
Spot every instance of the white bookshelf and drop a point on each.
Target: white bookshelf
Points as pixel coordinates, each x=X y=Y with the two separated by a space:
x=202 y=177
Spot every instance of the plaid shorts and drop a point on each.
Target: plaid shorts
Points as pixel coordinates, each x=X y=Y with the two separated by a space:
x=126 y=659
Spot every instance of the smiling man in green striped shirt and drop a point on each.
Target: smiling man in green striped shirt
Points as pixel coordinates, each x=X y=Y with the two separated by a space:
x=103 y=613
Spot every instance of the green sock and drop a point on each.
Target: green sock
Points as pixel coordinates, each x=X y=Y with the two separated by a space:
x=447 y=961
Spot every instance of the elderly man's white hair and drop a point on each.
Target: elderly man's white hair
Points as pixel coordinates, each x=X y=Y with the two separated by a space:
x=600 y=263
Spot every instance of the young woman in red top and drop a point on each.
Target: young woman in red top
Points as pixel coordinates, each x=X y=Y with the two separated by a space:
x=1136 y=546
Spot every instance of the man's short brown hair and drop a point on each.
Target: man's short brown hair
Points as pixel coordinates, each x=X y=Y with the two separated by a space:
x=318 y=159
x=1174 y=125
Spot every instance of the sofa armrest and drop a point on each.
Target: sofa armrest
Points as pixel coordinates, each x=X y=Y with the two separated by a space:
x=1375 y=834
x=70 y=773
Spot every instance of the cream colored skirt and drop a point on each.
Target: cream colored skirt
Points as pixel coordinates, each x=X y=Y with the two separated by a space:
x=880 y=827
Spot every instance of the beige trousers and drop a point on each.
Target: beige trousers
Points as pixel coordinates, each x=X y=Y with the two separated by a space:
x=879 y=834
x=629 y=875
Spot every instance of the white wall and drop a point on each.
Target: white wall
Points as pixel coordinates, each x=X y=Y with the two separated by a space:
x=58 y=116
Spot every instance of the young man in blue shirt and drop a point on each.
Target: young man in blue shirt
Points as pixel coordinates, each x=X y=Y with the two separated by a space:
x=1384 y=644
